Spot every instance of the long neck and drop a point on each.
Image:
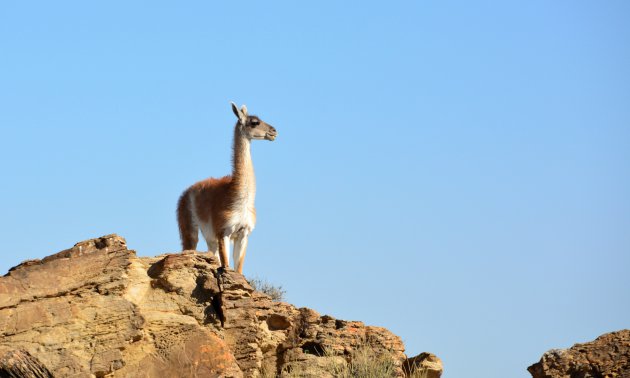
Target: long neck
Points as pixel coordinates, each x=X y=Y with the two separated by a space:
x=242 y=167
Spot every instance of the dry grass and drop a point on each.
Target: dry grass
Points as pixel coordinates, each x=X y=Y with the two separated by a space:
x=275 y=292
x=419 y=373
x=364 y=363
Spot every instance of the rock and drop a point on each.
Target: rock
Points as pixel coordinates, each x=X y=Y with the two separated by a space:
x=98 y=310
x=608 y=356
x=19 y=364
x=426 y=365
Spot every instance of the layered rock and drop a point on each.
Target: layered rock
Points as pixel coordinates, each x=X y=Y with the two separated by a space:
x=427 y=364
x=608 y=356
x=99 y=310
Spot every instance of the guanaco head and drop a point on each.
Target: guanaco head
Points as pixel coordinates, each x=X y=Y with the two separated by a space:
x=251 y=126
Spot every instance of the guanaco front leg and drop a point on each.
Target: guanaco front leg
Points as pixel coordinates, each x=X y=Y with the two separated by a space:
x=213 y=247
x=224 y=246
x=240 y=245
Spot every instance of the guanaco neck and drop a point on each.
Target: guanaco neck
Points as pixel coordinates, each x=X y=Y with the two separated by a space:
x=242 y=168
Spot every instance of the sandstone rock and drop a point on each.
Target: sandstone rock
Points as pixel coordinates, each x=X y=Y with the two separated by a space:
x=98 y=310
x=608 y=356
x=427 y=365
x=19 y=363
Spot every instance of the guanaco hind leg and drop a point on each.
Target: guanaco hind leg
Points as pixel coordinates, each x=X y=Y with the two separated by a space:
x=188 y=227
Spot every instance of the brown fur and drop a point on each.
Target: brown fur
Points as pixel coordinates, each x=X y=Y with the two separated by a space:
x=188 y=232
x=213 y=200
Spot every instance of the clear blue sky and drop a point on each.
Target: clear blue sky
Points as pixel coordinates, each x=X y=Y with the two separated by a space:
x=456 y=171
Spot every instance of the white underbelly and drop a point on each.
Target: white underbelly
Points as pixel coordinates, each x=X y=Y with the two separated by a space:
x=242 y=222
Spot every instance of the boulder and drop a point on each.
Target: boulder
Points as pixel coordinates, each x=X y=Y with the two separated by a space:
x=608 y=356
x=426 y=365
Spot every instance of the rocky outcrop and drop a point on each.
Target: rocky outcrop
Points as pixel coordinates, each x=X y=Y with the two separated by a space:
x=428 y=364
x=608 y=356
x=98 y=310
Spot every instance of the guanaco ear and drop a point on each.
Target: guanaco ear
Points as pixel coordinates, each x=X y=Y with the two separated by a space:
x=237 y=112
x=240 y=114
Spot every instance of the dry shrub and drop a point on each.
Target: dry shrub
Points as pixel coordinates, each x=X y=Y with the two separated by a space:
x=364 y=363
x=275 y=292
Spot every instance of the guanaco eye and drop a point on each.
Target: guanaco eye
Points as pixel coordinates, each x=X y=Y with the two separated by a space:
x=254 y=122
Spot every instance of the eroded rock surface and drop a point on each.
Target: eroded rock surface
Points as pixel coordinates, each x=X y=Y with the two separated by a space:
x=427 y=363
x=98 y=310
x=608 y=356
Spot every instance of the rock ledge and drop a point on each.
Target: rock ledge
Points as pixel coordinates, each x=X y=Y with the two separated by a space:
x=98 y=310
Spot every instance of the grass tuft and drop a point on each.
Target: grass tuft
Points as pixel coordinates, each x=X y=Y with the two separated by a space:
x=364 y=363
x=276 y=293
